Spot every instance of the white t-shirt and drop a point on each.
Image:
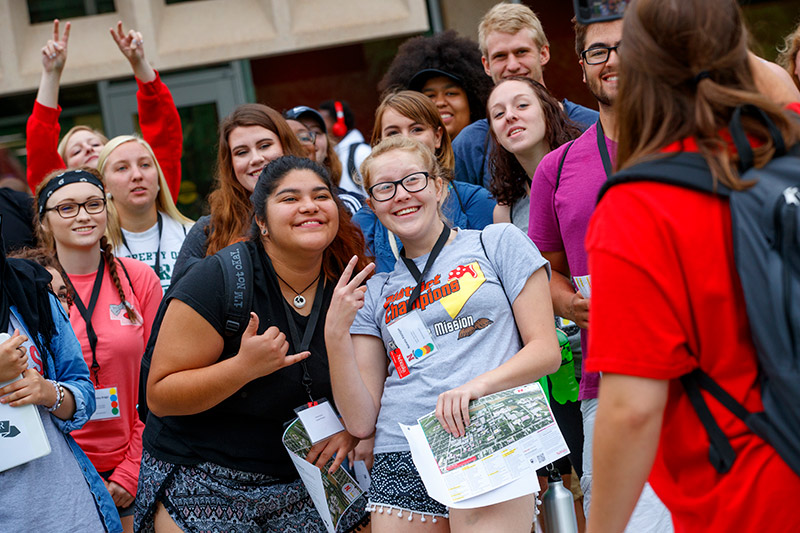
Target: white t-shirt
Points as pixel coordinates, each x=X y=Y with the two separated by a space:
x=143 y=246
x=343 y=151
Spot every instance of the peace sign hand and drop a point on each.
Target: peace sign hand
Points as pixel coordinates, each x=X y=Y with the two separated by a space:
x=348 y=298
x=131 y=44
x=54 y=53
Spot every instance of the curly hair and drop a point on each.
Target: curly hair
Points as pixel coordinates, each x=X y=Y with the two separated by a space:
x=788 y=54
x=508 y=176
x=447 y=52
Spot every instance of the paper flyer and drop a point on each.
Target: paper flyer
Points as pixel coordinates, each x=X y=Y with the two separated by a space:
x=22 y=435
x=511 y=434
x=332 y=494
x=584 y=285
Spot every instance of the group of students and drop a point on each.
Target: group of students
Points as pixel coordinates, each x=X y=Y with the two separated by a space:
x=336 y=277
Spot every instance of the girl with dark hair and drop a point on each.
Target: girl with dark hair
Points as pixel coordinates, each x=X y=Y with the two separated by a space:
x=115 y=303
x=446 y=68
x=207 y=391
x=411 y=114
x=495 y=277
x=81 y=145
x=249 y=138
x=664 y=254
x=61 y=490
x=526 y=123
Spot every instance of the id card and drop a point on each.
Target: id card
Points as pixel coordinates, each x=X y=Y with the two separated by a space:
x=319 y=419
x=107 y=404
x=413 y=340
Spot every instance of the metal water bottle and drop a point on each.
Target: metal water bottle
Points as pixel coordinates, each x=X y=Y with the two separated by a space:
x=559 y=505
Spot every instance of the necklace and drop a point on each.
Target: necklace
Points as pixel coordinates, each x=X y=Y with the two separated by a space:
x=299 y=301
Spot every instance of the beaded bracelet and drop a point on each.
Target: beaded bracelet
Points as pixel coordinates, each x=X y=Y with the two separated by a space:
x=59 y=395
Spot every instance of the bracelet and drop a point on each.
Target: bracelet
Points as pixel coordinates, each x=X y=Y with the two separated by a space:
x=59 y=395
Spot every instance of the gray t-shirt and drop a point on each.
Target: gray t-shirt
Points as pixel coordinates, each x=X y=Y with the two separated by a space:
x=466 y=311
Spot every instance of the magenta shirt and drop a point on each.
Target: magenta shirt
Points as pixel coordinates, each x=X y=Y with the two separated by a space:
x=559 y=219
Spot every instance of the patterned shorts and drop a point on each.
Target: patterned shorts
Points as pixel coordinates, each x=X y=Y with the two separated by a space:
x=397 y=487
x=210 y=497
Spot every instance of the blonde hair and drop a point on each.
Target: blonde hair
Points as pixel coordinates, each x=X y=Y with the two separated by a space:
x=164 y=201
x=788 y=54
x=398 y=142
x=62 y=145
x=510 y=18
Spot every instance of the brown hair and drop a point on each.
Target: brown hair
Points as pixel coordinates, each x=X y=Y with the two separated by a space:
x=667 y=43
x=511 y=19
x=231 y=211
x=47 y=242
x=508 y=176
x=421 y=109
x=332 y=163
x=788 y=54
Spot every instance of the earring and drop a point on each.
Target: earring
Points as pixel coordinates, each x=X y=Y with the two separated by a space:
x=108 y=195
x=263 y=231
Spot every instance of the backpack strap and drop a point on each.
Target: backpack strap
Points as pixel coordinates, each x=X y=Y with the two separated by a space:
x=684 y=169
x=237 y=270
x=743 y=147
x=351 y=161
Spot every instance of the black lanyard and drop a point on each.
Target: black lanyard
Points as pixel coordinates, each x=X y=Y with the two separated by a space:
x=601 y=145
x=86 y=314
x=300 y=345
x=420 y=276
x=157 y=266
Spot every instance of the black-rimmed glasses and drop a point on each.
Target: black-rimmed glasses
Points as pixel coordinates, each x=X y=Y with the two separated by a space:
x=71 y=209
x=598 y=55
x=385 y=191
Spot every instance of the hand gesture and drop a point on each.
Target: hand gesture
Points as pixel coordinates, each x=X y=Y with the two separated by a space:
x=54 y=53
x=340 y=445
x=452 y=408
x=13 y=357
x=32 y=389
x=131 y=44
x=348 y=297
x=266 y=353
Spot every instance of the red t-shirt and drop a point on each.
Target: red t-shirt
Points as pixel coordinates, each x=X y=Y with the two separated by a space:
x=664 y=255
x=116 y=443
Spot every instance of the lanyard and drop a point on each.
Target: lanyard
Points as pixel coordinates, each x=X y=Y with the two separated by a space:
x=420 y=276
x=157 y=266
x=601 y=145
x=86 y=314
x=300 y=345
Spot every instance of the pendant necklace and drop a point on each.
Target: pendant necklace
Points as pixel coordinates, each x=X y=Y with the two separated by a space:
x=299 y=300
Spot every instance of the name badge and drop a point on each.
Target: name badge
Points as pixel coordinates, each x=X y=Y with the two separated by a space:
x=319 y=419
x=413 y=341
x=107 y=404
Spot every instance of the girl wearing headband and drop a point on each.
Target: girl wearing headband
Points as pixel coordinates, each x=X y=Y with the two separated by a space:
x=115 y=301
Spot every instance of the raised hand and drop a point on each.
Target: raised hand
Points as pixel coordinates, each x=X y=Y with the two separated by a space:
x=54 y=53
x=13 y=357
x=266 y=353
x=131 y=44
x=348 y=297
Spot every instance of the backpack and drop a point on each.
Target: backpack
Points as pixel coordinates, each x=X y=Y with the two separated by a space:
x=237 y=269
x=765 y=221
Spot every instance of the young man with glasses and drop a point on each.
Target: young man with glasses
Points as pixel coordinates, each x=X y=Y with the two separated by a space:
x=563 y=195
x=512 y=43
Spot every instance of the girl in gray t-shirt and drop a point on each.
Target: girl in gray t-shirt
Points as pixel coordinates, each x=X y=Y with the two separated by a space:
x=482 y=308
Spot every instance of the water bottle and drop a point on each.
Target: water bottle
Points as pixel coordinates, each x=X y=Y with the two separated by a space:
x=564 y=385
x=559 y=506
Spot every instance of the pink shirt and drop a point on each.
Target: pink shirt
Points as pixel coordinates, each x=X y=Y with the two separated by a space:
x=116 y=443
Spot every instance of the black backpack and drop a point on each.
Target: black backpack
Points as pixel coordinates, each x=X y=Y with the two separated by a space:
x=765 y=221
x=237 y=268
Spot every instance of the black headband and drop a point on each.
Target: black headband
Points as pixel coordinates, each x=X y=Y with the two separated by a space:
x=66 y=178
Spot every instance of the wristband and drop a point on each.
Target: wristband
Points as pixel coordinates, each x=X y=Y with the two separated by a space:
x=59 y=396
